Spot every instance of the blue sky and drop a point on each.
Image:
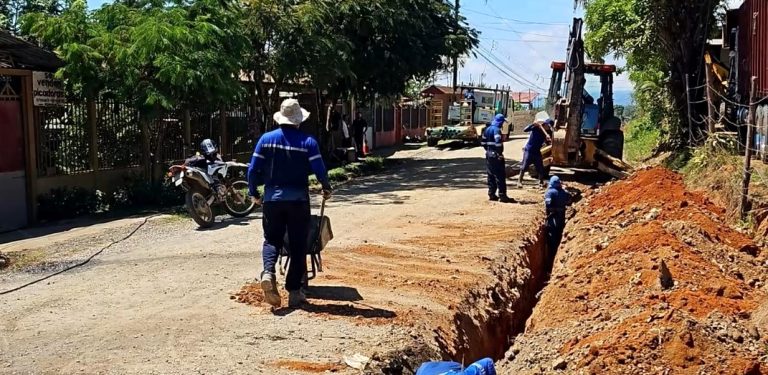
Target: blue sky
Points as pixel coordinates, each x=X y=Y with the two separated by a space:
x=526 y=35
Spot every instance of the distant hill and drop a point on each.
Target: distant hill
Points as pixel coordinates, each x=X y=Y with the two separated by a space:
x=623 y=97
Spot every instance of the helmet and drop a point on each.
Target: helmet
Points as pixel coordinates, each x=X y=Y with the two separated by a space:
x=541 y=117
x=207 y=147
x=554 y=182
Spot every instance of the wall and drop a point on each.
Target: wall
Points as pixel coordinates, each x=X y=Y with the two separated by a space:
x=107 y=180
x=753 y=46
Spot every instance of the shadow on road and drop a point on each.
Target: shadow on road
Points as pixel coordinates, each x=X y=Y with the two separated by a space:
x=334 y=293
x=347 y=310
x=228 y=221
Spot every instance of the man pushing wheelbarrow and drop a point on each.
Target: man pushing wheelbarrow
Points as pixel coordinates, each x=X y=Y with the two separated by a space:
x=282 y=160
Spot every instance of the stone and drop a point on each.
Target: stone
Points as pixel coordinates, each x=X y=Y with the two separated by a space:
x=665 y=277
x=559 y=364
x=653 y=214
x=736 y=335
x=753 y=332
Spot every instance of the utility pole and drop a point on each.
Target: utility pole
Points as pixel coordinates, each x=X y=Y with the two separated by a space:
x=456 y=57
x=748 y=152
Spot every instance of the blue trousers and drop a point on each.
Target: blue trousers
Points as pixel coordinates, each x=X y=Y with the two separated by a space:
x=555 y=228
x=497 y=176
x=293 y=217
x=533 y=157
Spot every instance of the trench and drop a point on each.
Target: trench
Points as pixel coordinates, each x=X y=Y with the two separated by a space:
x=489 y=319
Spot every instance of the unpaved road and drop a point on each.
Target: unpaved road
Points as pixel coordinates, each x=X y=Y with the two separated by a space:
x=408 y=245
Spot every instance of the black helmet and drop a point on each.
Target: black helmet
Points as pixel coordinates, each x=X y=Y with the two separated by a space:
x=207 y=147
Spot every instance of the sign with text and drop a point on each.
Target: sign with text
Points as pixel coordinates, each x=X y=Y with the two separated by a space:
x=47 y=90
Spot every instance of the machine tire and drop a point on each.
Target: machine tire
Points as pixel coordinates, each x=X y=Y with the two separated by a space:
x=432 y=142
x=202 y=215
x=612 y=142
x=613 y=123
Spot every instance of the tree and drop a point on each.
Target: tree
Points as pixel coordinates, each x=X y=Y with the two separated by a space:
x=12 y=11
x=662 y=40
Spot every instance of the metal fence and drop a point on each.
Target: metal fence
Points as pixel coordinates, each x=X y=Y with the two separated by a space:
x=119 y=135
x=62 y=139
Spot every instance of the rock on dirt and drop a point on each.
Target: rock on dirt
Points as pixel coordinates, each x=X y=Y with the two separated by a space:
x=592 y=316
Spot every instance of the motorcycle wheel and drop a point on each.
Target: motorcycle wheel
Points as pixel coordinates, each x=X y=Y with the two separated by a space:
x=236 y=200
x=199 y=209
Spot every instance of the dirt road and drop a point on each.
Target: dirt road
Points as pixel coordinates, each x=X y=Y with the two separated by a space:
x=409 y=246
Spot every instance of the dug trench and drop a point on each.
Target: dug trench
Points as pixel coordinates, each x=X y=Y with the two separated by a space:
x=649 y=280
x=489 y=317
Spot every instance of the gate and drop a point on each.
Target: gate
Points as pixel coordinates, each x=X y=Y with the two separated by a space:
x=13 y=186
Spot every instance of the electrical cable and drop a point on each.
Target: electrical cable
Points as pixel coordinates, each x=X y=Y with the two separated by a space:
x=86 y=261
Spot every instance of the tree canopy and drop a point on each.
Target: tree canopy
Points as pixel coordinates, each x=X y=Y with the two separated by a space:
x=662 y=41
x=169 y=54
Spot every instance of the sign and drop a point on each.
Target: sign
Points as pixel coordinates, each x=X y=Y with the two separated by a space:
x=454 y=112
x=484 y=116
x=47 y=90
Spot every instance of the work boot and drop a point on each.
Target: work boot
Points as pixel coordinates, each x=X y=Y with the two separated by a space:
x=493 y=198
x=506 y=199
x=296 y=299
x=269 y=286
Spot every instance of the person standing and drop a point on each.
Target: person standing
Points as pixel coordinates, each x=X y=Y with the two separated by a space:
x=494 y=160
x=360 y=128
x=556 y=199
x=282 y=161
x=538 y=135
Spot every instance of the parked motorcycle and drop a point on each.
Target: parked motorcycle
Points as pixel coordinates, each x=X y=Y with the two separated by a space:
x=209 y=182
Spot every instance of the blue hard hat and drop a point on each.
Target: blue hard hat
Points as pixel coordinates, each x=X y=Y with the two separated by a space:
x=500 y=118
x=555 y=182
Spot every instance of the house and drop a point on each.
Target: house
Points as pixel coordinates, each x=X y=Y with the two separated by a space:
x=25 y=85
x=524 y=100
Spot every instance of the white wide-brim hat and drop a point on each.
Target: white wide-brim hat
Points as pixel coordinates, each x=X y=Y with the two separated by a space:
x=541 y=117
x=291 y=113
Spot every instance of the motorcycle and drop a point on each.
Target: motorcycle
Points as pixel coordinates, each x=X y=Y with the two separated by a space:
x=208 y=184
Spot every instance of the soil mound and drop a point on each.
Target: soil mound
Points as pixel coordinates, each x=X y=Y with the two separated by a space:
x=649 y=280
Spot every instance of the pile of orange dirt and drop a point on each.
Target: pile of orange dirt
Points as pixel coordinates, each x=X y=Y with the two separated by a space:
x=605 y=309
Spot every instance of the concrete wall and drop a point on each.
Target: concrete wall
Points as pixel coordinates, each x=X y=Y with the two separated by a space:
x=107 y=181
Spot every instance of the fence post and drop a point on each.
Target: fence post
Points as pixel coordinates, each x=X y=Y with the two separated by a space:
x=690 y=114
x=94 y=132
x=187 y=131
x=223 y=146
x=710 y=97
x=748 y=152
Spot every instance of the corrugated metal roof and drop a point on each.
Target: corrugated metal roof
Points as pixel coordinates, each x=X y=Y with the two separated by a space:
x=19 y=54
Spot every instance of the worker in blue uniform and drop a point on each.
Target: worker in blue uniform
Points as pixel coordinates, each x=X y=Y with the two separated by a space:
x=556 y=199
x=538 y=135
x=282 y=162
x=494 y=160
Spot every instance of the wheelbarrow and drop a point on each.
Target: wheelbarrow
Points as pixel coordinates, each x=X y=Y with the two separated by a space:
x=320 y=233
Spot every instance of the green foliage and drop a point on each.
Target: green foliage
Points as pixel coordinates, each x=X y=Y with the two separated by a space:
x=662 y=41
x=11 y=11
x=642 y=137
x=66 y=202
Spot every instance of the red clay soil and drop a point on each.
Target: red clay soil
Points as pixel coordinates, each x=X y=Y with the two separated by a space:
x=308 y=367
x=605 y=312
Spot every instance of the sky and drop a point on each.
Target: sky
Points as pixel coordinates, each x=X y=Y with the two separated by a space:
x=526 y=36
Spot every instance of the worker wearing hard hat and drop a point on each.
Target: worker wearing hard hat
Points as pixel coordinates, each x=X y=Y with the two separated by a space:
x=556 y=199
x=494 y=160
x=538 y=135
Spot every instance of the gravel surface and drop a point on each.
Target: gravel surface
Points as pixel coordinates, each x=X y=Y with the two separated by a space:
x=409 y=244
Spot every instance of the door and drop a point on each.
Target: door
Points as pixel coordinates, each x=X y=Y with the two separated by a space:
x=13 y=182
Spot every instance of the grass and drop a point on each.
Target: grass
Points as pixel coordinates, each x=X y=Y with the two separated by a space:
x=371 y=165
x=642 y=137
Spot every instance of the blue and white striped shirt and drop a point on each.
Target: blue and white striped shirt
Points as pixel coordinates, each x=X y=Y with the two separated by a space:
x=282 y=161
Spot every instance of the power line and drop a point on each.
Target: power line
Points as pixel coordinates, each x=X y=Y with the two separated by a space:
x=519 y=80
x=515 y=20
x=508 y=68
